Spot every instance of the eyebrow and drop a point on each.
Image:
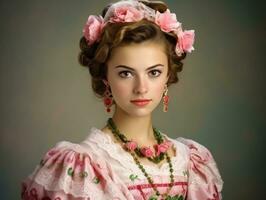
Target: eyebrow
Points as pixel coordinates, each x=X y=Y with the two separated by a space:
x=127 y=67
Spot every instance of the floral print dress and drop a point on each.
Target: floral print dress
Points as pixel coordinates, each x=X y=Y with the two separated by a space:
x=99 y=169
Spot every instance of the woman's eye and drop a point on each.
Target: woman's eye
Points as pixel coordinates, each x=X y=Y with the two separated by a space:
x=125 y=74
x=155 y=73
x=128 y=74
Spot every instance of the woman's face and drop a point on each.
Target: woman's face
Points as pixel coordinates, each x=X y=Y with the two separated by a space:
x=137 y=75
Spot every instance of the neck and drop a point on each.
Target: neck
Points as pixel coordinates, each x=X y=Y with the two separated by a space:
x=134 y=128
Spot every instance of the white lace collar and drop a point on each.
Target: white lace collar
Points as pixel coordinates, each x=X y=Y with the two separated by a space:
x=115 y=151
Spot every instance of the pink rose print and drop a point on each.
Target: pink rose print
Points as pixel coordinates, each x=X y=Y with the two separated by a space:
x=131 y=145
x=185 y=41
x=93 y=28
x=126 y=14
x=79 y=160
x=167 y=21
x=147 y=152
x=52 y=152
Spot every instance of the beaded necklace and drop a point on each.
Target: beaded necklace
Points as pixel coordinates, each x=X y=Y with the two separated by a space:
x=118 y=135
x=160 y=148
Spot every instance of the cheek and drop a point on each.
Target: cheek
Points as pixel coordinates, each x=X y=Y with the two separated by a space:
x=120 y=89
x=159 y=89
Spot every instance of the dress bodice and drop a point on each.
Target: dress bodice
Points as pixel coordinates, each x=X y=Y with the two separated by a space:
x=98 y=168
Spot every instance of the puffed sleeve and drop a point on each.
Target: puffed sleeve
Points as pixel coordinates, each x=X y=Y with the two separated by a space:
x=204 y=182
x=68 y=172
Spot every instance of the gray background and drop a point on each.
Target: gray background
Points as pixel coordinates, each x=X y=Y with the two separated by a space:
x=219 y=101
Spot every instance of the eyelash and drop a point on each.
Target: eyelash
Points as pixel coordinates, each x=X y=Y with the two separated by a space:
x=158 y=73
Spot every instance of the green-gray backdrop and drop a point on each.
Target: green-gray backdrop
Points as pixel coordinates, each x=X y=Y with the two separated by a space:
x=219 y=101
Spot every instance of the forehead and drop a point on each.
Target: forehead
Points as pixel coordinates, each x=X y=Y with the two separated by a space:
x=138 y=55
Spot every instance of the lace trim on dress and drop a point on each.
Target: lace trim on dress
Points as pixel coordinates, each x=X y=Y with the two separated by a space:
x=115 y=151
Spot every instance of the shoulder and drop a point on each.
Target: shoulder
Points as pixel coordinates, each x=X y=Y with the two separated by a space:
x=204 y=177
x=193 y=147
x=68 y=171
x=188 y=147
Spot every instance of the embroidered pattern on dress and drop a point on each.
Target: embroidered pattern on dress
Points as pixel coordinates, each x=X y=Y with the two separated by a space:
x=143 y=186
x=32 y=194
x=179 y=196
x=132 y=177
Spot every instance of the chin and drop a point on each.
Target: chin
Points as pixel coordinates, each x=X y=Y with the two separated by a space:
x=140 y=112
x=136 y=111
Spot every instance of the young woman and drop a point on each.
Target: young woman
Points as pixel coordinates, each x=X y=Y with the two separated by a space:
x=133 y=52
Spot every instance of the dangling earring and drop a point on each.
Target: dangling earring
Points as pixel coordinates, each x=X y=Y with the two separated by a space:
x=108 y=99
x=165 y=99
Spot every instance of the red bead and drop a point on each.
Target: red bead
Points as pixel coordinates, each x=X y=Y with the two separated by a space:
x=107 y=101
x=166 y=99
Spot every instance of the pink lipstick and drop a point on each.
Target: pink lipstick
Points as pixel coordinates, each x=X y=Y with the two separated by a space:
x=141 y=102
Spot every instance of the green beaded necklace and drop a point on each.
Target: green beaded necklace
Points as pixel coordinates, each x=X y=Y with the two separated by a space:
x=122 y=138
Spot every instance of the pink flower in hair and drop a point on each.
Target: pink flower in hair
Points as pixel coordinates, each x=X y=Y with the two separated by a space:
x=163 y=147
x=185 y=41
x=126 y=14
x=167 y=21
x=93 y=28
x=131 y=145
x=147 y=152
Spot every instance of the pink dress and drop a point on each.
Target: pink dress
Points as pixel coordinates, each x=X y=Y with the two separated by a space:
x=99 y=169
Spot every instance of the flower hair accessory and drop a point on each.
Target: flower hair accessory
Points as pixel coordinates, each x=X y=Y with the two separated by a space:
x=133 y=11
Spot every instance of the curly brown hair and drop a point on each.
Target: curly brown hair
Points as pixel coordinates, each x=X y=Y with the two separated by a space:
x=95 y=56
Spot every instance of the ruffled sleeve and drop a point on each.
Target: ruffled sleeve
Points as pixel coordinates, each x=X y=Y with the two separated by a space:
x=69 y=172
x=204 y=182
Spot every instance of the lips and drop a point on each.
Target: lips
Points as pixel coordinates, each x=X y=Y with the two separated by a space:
x=141 y=102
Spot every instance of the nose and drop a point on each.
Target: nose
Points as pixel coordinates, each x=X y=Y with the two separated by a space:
x=141 y=85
